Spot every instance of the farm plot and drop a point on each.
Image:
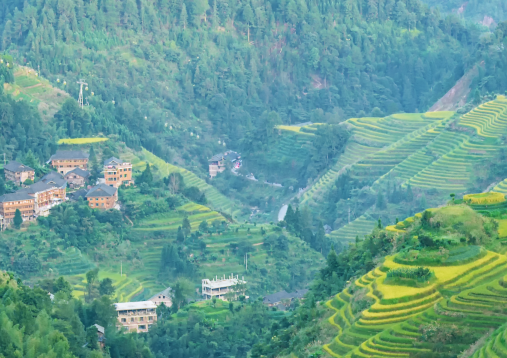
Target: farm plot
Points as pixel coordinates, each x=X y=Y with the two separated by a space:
x=390 y=326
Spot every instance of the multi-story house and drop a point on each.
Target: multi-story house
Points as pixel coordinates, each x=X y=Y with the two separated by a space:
x=66 y=160
x=223 y=288
x=19 y=200
x=46 y=195
x=117 y=172
x=77 y=177
x=136 y=316
x=102 y=196
x=18 y=173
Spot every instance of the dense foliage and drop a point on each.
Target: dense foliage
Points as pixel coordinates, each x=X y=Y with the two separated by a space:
x=163 y=72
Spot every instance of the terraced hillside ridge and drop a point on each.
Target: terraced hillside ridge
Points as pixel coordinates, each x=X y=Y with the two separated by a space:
x=377 y=145
x=356 y=228
x=465 y=288
x=496 y=346
x=391 y=323
x=437 y=158
x=30 y=87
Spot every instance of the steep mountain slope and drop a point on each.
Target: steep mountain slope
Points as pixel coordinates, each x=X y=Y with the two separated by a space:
x=440 y=156
x=212 y=68
x=462 y=297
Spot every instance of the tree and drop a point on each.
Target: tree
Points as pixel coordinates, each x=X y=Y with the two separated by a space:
x=92 y=338
x=18 y=220
x=180 y=236
x=175 y=182
x=409 y=195
x=380 y=204
x=91 y=277
x=203 y=226
x=180 y=291
x=186 y=226
x=106 y=287
x=146 y=176
x=183 y=16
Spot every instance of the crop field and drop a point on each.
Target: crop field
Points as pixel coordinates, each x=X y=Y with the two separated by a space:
x=485 y=198
x=377 y=145
x=81 y=140
x=390 y=326
x=417 y=148
x=37 y=91
x=357 y=228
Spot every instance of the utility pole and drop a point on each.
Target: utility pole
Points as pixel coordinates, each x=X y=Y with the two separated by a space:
x=80 y=99
x=349 y=214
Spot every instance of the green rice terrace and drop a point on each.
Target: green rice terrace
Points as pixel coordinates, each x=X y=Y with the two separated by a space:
x=436 y=153
x=442 y=292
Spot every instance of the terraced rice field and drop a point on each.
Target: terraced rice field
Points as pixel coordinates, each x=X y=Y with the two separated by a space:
x=216 y=200
x=475 y=295
x=359 y=227
x=377 y=145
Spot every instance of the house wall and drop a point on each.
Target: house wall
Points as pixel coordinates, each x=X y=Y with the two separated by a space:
x=8 y=209
x=45 y=199
x=19 y=177
x=118 y=174
x=66 y=165
x=215 y=168
x=74 y=180
x=137 y=320
x=102 y=202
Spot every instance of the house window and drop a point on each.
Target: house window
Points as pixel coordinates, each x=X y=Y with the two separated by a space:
x=97 y=204
x=141 y=319
x=150 y=318
x=124 y=320
x=142 y=326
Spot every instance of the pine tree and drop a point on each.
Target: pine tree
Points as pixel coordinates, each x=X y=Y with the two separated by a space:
x=18 y=220
x=183 y=16
x=186 y=226
x=409 y=196
x=180 y=236
x=146 y=176
x=380 y=203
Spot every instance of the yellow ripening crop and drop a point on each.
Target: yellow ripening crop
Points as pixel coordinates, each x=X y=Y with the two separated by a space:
x=81 y=140
x=485 y=198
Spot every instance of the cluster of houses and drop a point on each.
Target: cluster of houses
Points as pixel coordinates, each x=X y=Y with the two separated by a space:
x=71 y=172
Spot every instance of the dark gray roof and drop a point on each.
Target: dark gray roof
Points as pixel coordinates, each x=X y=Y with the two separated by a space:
x=81 y=172
x=229 y=155
x=38 y=187
x=54 y=178
x=276 y=297
x=81 y=193
x=216 y=157
x=69 y=154
x=101 y=190
x=100 y=329
x=19 y=195
x=113 y=160
x=166 y=293
x=299 y=293
x=14 y=166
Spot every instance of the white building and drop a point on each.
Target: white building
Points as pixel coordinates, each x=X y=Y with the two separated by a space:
x=220 y=288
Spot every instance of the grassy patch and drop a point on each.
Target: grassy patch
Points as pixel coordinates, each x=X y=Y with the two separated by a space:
x=81 y=140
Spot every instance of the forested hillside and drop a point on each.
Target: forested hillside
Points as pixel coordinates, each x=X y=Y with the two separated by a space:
x=162 y=70
x=474 y=10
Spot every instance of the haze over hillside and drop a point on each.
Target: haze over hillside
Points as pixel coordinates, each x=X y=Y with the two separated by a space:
x=261 y=178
